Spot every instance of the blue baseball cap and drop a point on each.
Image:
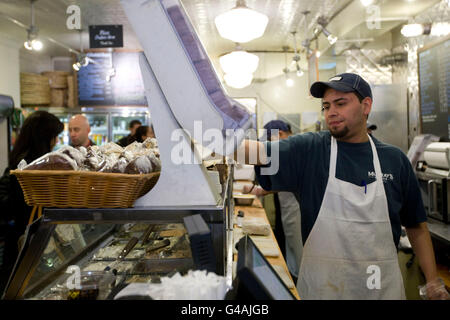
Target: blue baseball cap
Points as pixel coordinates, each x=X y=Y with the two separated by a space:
x=344 y=82
x=276 y=124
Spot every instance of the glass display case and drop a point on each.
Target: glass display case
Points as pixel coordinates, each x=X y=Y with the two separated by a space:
x=114 y=247
x=120 y=122
x=99 y=123
x=107 y=123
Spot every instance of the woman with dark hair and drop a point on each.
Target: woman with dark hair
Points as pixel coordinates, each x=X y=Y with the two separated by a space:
x=37 y=137
x=142 y=133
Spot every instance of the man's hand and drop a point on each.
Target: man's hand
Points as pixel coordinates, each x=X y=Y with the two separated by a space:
x=435 y=290
x=257 y=191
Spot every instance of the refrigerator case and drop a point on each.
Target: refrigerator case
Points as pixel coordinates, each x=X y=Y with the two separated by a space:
x=120 y=123
x=99 y=123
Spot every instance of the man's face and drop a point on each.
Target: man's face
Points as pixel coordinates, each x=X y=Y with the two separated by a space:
x=133 y=128
x=79 y=132
x=344 y=114
x=281 y=135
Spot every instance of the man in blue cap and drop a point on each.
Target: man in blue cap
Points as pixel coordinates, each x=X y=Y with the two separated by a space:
x=355 y=193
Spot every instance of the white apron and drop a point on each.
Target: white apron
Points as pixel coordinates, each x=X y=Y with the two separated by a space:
x=350 y=253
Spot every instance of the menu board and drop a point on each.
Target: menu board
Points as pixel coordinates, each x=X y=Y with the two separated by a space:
x=434 y=91
x=112 y=79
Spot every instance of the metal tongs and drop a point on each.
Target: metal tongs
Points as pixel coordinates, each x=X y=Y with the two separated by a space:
x=130 y=245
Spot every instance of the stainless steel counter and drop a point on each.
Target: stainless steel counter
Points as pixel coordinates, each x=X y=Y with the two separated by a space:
x=439 y=230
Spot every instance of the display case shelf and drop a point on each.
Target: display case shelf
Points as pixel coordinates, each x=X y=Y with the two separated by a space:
x=32 y=257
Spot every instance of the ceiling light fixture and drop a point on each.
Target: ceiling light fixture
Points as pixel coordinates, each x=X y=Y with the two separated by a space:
x=82 y=59
x=238 y=67
x=415 y=29
x=322 y=21
x=32 y=42
x=296 y=57
x=366 y=3
x=241 y=24
x=289 y=81
x=238 y=80
x=239 y=61
x=440 y=29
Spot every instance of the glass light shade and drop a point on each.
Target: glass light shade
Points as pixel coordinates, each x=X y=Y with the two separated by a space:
x=440 y=29
x=300 y=73
x=76 y=66
x=366 y=3
x=238 y=80
x=318 y=53
x=332 y=39
x=239 y=62
x=241 y=24
x=289 y=82
x=412 y=30
x=36 y=44
x=27 y=45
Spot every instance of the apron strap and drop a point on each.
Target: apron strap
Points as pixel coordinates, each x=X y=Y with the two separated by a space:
x=376 y=162
x=333 y=158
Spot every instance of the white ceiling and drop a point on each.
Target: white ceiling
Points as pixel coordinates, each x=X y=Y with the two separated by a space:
x=347 y=20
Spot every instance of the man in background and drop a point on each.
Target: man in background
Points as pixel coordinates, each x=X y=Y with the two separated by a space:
x=133 y=125
x=371 y=127
x=79 y=129
x=287 y=210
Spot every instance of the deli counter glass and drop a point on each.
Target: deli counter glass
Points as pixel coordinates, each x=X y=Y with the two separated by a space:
x=110 y=248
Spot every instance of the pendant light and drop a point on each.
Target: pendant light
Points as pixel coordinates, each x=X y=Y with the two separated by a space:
x=241 y=24
x=82 y=59
x=33 y=43
x=239 y=61
x=238 y=67
x=289 y=81
x=296 y=58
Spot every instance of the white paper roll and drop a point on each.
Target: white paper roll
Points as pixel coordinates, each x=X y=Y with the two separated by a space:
x=437 y=155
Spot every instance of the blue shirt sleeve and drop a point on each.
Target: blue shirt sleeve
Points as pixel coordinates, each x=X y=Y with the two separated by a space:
x=289 y=164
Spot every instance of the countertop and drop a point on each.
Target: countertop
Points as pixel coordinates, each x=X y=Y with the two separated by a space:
x=257 y=210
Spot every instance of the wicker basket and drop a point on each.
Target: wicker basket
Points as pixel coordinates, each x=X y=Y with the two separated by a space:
x=83 y=189
x=34 y=89
x=57 y=79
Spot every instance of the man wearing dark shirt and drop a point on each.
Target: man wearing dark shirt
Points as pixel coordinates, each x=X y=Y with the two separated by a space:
x=134 y=124
x=355 y=192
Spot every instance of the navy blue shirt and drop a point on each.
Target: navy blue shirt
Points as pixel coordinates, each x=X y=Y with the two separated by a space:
x=304 y=166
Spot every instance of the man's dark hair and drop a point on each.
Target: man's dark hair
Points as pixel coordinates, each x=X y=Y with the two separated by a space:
x=360 y=97
x=133 y=123
x=35 y=137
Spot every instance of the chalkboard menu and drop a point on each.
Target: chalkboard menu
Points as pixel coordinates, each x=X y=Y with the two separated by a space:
x=113 y=79
x=434 y=91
